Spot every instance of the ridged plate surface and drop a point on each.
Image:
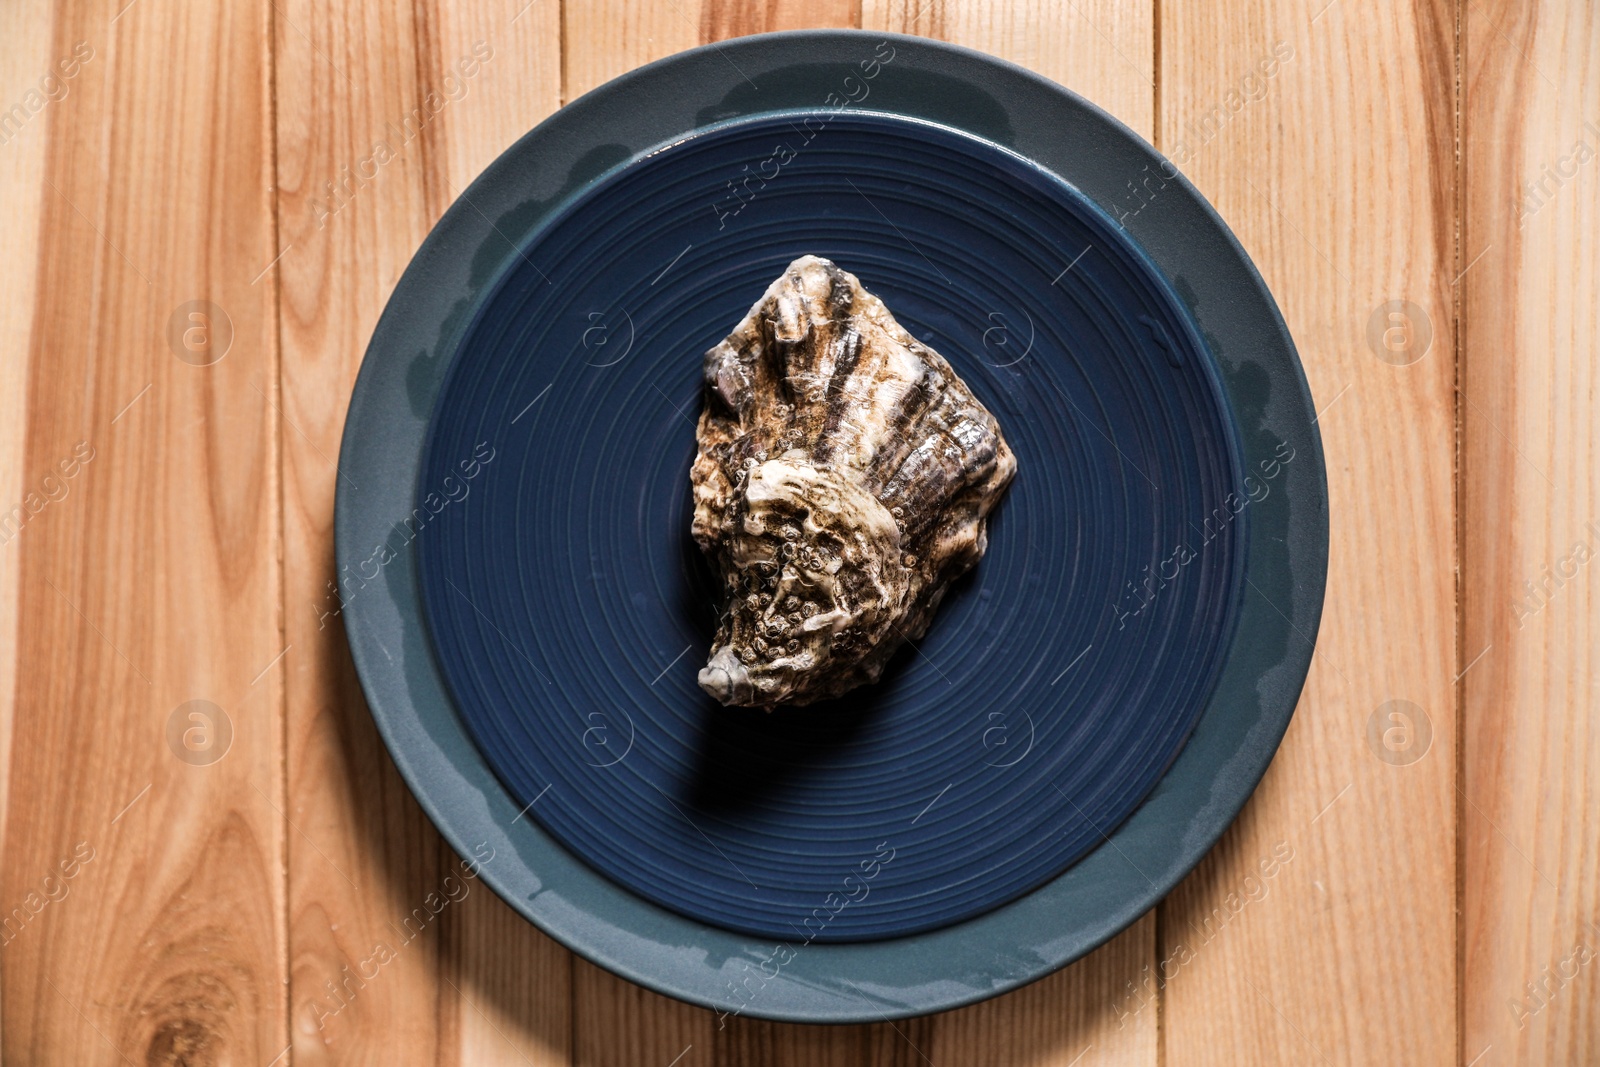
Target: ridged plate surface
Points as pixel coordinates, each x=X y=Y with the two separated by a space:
x=570 y=610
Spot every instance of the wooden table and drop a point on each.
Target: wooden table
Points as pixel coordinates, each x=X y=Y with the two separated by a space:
x=1417 y=181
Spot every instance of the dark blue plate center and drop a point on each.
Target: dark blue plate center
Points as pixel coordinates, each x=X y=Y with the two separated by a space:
x=570 y=610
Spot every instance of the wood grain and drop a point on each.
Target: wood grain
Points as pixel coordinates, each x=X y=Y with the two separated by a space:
x=143 y=868
x=1090 y=1013
x=1086 y=1014
x=616 y=1023
x=444 y=90
x=1098 y=48
x=1326 y=139
x=26 y=29
x=607 y=38
x=507 y=987
x=722 y=19
x=1531 y=523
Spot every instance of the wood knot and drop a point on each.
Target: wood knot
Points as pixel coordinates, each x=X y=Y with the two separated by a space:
x=184 y=1043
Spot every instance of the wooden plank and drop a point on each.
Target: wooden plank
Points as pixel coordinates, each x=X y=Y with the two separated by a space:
x=362 y=855
x=1100 y=49
x=26 y=59
x=444 y=89
x=508 y=993
x=1530 y=505
x=618 y=1024
x=722 y=19
x=608 y=38
x=1087 y=1014
x=508 y=987
x=1093 y=1012
x=1078 y=1007
x=144 y=849
x=1326 y=139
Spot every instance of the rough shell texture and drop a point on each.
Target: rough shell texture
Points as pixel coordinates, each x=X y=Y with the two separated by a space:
x=844 y=479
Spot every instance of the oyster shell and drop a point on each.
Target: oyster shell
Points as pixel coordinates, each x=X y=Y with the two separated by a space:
x=844 y=478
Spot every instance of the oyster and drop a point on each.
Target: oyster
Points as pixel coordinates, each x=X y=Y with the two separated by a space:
x=844 y=479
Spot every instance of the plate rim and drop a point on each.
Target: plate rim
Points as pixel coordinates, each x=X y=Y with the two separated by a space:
x=948 y=979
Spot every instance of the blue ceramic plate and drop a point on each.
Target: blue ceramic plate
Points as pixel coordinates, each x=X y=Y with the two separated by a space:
x=570 y=610
x=1091 y=706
